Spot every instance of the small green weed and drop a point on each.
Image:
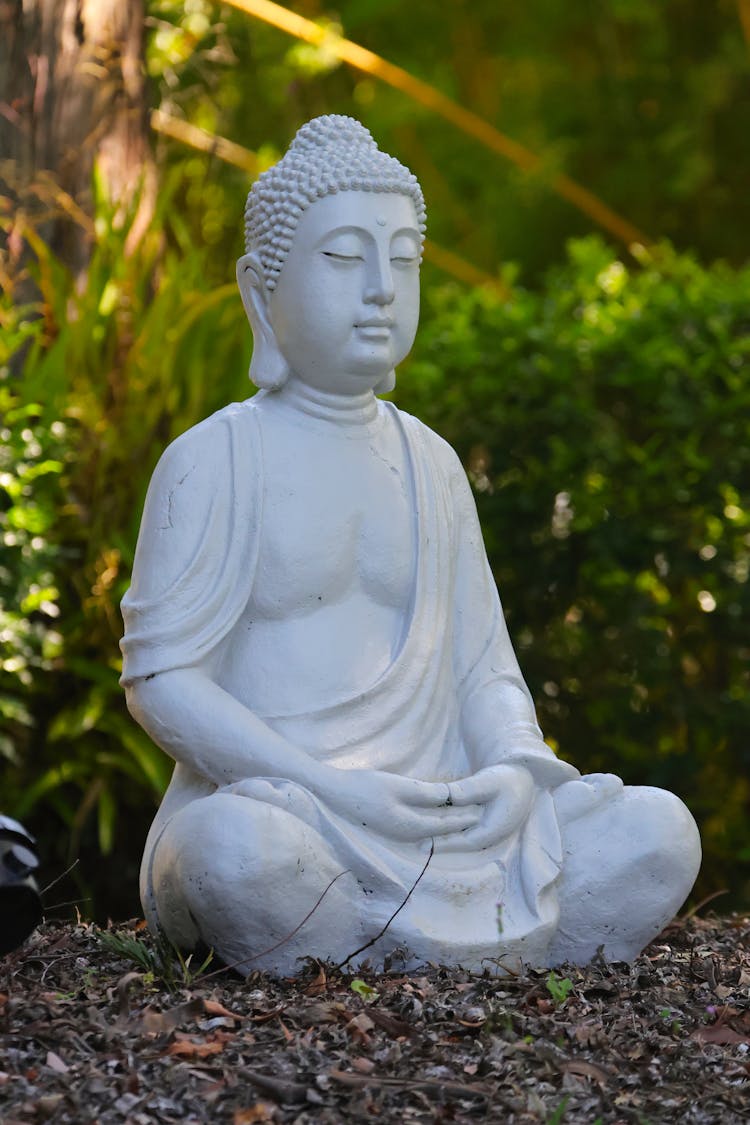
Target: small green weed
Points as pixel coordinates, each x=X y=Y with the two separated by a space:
x=559 y=1114
x=558 y=987
x=672 y=1019
x=158 y=959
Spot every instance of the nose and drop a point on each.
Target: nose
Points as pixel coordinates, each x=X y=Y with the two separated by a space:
x=379 y=289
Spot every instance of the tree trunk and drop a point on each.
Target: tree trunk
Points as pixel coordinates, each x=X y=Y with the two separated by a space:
x=72 y=94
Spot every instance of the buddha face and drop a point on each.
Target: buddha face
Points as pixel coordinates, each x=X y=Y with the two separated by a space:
x=345 y=308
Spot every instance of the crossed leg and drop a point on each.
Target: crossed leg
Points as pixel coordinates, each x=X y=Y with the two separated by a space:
x=239 y=876
x=629 y=862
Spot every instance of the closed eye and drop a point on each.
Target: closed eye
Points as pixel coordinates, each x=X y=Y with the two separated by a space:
x=342 y=257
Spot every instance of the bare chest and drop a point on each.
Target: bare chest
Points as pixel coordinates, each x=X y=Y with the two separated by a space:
x=338 y=521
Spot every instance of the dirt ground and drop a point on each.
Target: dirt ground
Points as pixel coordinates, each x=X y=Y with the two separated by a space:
x=105 y=1028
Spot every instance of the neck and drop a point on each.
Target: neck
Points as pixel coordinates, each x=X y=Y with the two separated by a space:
x=349 y=410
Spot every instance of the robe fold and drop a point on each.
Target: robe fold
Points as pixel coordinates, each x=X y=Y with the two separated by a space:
x=452 y=700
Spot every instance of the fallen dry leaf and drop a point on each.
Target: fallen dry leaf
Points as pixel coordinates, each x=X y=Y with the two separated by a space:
x=261 y=1111
x=363 y=1065
x=48 y=1104
x=319 y=984
x=720 y=1034
x=359 y=1028
x=264 y=1017
x=214 y=1008
x=186 y=1046
x=189 y=1050
x=396 y=1028
x=472 y=1025
x=324 y=1011
x=54 y=1062
x=586 y=1070
x=361 y=1022
x=123 y=989
x=160 y=1022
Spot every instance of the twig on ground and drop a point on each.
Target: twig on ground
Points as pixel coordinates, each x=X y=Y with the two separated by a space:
x=398 y=910
x=288 y=1093
x=703 y=902
x=54 y=882
x=61 y=905
x=458 y=1089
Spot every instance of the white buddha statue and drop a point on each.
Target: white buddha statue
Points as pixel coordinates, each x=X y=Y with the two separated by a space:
x=314 y=635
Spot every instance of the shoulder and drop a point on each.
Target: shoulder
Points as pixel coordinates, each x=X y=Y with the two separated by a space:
x=441 y=453
x=202 y=482
x=209 y=442
x=198 y=469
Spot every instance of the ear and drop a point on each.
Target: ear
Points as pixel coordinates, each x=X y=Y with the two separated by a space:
x=268 y=368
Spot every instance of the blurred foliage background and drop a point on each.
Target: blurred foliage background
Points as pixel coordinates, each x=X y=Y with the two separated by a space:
x=585 y=345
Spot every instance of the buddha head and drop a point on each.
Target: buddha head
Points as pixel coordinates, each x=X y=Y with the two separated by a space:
x=330 y=276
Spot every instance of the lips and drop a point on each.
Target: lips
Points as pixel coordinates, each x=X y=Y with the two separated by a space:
x=375 y=330
x=375 y=322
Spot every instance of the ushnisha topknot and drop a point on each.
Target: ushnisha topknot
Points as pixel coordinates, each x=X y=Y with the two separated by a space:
x=328 y=154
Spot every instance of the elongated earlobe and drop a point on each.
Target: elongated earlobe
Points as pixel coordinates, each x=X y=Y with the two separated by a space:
x=268 y=368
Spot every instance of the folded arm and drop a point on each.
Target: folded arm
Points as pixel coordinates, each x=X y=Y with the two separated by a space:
x=498 y=719
x=199 y=724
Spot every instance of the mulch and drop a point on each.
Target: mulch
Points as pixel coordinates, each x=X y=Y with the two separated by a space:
x=89 y=1035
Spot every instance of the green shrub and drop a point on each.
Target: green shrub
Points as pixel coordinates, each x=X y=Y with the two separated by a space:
x=605 y=423
x=32 y=459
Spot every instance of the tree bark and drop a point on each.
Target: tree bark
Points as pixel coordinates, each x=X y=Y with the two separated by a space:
x=72 y=95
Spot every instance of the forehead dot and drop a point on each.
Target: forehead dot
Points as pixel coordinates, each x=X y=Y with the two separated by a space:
x=381 y=221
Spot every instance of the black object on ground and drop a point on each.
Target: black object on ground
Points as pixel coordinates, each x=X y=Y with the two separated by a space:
x=20 y=904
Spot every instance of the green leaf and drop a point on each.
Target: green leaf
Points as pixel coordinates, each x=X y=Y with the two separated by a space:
x=366 y=991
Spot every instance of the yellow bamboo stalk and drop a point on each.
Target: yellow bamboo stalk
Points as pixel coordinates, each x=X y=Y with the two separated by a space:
x=462 y=270
x=464 y=119
x=743 y=9
x=204 y=141
x=245 y=158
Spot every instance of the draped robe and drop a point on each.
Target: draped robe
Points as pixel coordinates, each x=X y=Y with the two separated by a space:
x=417 y=718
